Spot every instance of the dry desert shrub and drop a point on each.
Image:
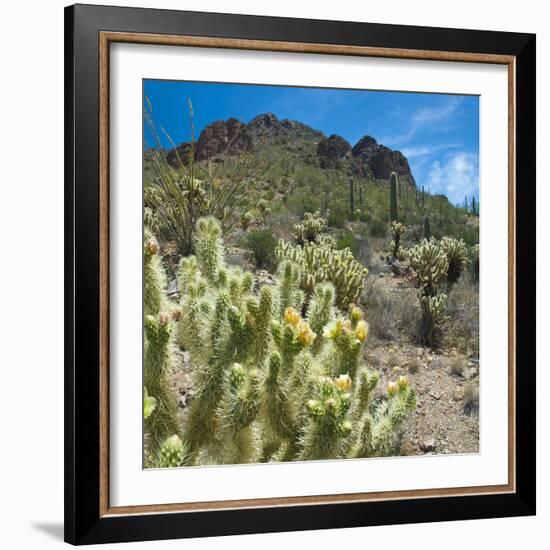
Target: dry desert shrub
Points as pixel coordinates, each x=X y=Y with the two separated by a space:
x=391 y=313
x=414 y=365
x=462 y=327
x=471 y=398
x=456 y=366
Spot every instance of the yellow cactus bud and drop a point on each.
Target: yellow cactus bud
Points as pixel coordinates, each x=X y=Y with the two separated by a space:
x=356 y=314
x=343 y=382
x=291 y=316
x=305 y=335
x=392 y=388
x=402 y=382
x=362 y=331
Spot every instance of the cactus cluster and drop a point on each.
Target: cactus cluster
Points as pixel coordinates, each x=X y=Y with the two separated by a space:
x=431 y=265
x=246 y=219
x=457 y=256
x=397 y=230
x=322 y=262
x=277 y=371
x=310 y=229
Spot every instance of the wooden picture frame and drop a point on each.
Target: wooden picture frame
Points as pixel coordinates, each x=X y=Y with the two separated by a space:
x=89 y=32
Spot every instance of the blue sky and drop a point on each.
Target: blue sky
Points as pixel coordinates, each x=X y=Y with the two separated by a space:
x=438 y=133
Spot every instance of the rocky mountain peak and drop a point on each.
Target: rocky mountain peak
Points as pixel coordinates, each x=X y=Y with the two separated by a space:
x=223 y=136
x=332 y=151
x=381 y=160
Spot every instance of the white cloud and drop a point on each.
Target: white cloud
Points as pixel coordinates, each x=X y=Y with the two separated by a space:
x=456 y=178
x=434 y=114
x=423 y=117
x=423 y=150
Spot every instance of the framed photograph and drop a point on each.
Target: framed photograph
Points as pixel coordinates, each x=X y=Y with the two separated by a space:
x=300 y=274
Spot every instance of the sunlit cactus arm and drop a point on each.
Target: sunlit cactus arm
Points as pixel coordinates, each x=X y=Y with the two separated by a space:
x=173 y=453
x=239 y=440
x=320 y=311
x=154 y=276
x=288 y=285
x=362 y=445
x=209 y=249
x=277 y=409
x=261 y=326
x=328 y=425
x=156 y=367
x=401 y=400
x=366 y=383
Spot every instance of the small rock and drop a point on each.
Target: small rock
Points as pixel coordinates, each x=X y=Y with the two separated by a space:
x=435 y=395
x=470 y=373
x=428 y=445
x=182 y=401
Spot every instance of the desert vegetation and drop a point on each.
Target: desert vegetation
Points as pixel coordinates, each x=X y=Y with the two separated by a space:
x=303 y=300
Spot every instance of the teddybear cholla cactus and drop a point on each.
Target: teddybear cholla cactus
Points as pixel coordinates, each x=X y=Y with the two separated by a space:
x=312 y=226
x=270 y=383
x=473 y=262
x=397 y=230
x=154 y=278
x=430 y=263
x=457 y=256
x=160 y=410
x=173 y=453
x=321 y=261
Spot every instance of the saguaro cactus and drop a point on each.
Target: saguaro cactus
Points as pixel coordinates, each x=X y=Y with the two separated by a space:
x=427 y=228
x=351 y=196
x=393 y=198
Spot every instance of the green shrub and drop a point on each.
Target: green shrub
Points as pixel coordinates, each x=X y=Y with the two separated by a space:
x=338 y=214
x=261 y=244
